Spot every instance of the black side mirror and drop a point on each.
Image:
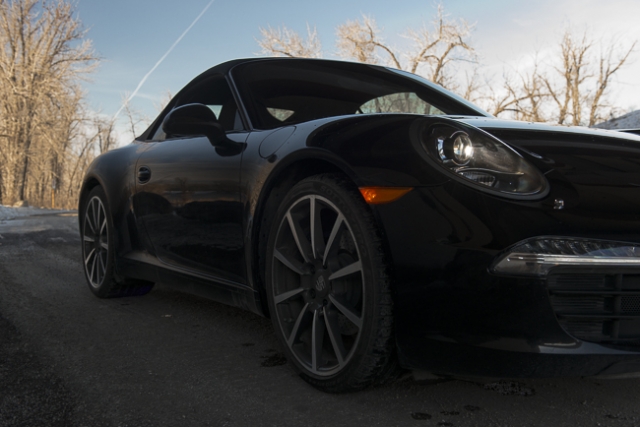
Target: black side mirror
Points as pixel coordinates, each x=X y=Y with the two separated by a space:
x=194 y=119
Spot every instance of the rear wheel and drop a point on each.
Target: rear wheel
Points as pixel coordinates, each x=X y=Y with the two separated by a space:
x=328 y=287
x=98 y=251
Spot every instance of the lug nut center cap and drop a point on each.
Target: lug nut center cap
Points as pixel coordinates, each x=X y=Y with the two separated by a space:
x=320 y=283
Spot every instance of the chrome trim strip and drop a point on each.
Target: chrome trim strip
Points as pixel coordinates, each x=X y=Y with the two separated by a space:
x=528 y=264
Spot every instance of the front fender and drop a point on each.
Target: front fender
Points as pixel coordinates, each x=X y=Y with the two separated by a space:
x=114 y=172
x=382 y=150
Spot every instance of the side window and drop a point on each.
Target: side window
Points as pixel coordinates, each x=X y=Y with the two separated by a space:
x=215 y=94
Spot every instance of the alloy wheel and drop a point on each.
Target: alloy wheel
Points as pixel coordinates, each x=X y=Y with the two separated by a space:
x=318 y=285
x=95 y=242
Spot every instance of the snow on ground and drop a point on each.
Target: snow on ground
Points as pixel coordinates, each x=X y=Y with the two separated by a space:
x=7 y=212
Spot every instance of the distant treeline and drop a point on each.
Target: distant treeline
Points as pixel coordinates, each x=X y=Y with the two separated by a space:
x=47 y=135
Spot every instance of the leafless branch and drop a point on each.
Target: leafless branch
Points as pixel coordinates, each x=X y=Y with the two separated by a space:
x=282 y=41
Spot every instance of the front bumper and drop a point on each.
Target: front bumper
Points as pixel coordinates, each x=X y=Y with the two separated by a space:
x=453 y=316
x=571 y=323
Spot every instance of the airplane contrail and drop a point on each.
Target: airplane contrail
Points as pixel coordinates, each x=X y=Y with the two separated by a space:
x=144 y=79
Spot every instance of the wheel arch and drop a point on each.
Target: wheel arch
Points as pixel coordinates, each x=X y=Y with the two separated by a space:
x=113 y=171
x=90 y=183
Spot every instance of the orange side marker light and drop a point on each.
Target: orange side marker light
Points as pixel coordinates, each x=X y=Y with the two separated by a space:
x=379 y=195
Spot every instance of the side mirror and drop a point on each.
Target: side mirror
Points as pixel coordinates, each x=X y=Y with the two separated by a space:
x=194 y=119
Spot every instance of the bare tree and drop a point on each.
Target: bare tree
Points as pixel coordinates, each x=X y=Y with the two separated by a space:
x=136 y=121
x=471 y=86
x=572 y=87
x=361 y=40
x=104 y=133
x=568 y=88
x=433 y=54
x=43 y=54
x=438 y=48
x=521 y=96
x=164 y=101
x=434 y=49
x=609 y=63
x=282 y=41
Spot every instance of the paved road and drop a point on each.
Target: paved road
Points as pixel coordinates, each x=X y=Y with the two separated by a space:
x=171 y=359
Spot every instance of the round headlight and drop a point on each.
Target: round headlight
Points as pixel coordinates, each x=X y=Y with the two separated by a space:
x=480 y=159
x=462 y=149
x=457 y=148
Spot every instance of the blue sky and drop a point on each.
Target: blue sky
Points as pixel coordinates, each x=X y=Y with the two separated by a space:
x=132 y=35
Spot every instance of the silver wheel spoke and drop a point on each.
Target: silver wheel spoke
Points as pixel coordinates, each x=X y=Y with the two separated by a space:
x=87 y=224
x=287 y=295
x=332 y=237
x=345 y=271
x=348 y=313
x=298 y=236
x=93 y=267
x=103 y=266
x=317 y=338
x=317 y=243
x=288 y=262
x=296 y=327
x=96 y=213
x=334 y=335
x=88 y=258
x=104 y=246
x=88 y=239
x=89 y=218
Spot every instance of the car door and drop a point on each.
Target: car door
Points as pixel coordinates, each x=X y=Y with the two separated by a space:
x=187 y=192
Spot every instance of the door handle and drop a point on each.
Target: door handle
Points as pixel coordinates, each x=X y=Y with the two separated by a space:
x=144 y=174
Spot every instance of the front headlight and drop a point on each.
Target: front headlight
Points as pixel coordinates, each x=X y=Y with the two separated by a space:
x=483 y=161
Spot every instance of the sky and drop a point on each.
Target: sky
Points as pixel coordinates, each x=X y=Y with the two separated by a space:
x=132 y=36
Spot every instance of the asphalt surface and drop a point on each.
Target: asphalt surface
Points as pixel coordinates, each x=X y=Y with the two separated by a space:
x=68 y=358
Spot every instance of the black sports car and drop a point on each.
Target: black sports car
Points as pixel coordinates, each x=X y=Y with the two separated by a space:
x=378 y=220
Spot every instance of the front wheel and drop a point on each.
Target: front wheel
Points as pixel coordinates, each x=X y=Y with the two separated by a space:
x=98 y=251
x=328 y=286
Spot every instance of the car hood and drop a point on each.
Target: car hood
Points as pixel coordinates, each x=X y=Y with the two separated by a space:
x=492 y=125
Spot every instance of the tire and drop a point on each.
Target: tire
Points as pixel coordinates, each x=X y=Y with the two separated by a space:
x=329 y=295
x=98 y=251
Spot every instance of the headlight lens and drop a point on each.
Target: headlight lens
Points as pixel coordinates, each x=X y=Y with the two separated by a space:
x=483 y=161
x=458 y=148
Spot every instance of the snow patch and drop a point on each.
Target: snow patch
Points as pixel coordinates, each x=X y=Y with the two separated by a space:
x=7 y=212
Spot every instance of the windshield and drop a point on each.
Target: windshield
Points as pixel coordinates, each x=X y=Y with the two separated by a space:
x=290 y=91
x=442 y=90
